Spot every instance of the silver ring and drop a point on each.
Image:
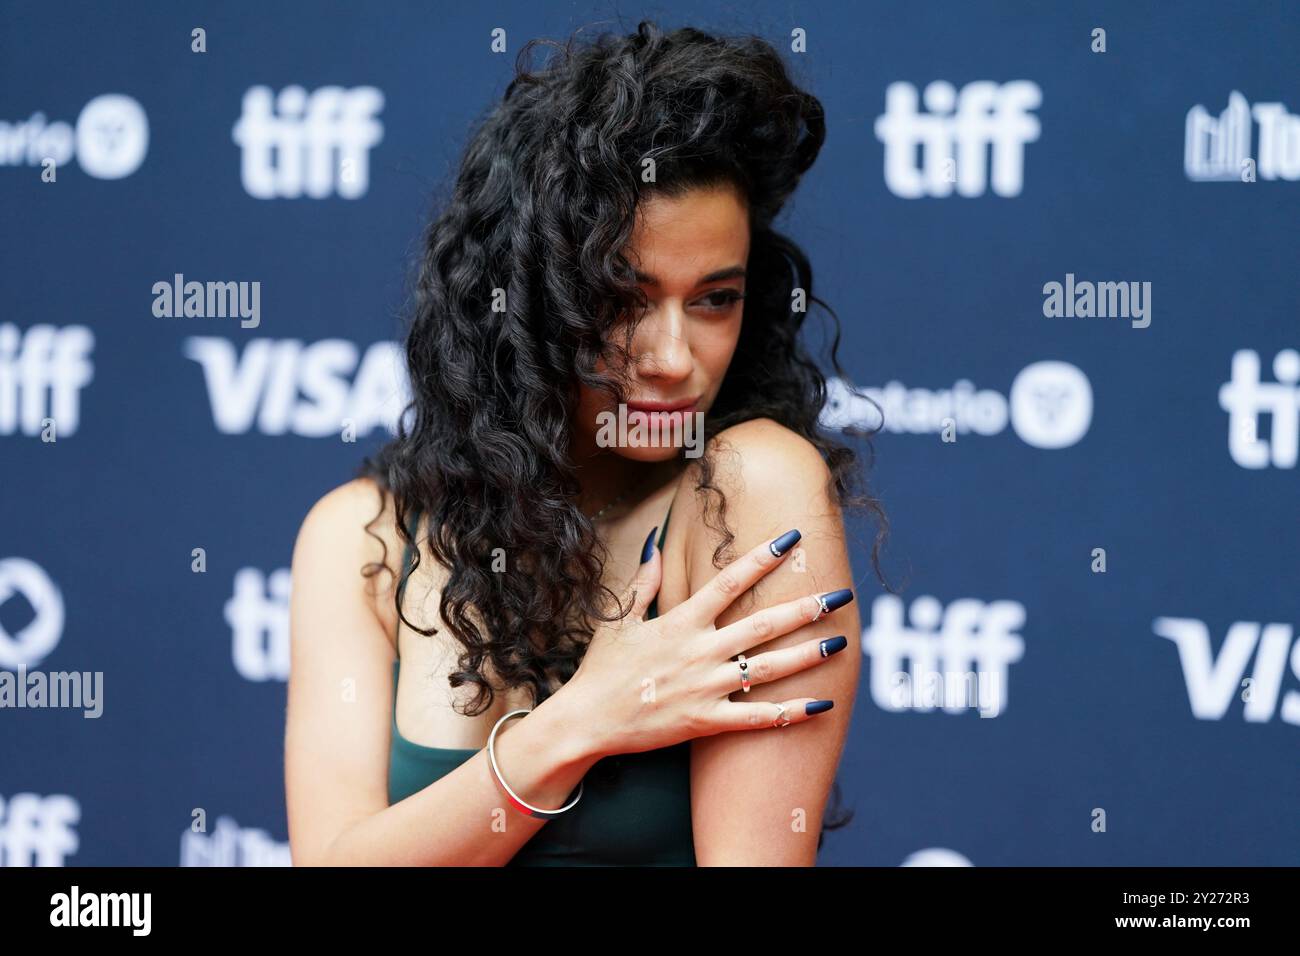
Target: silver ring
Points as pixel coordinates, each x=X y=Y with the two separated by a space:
x=781 y=720
x=744 y=672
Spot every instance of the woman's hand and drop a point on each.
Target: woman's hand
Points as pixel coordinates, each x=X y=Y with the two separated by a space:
x=646 y=684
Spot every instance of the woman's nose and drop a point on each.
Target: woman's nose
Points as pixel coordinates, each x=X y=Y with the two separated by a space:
x=665 y=351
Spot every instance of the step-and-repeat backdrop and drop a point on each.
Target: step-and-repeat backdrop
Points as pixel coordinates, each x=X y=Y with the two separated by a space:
x=1095 y=502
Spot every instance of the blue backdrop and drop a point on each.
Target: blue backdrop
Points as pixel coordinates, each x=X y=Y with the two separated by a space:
x=1094 y=505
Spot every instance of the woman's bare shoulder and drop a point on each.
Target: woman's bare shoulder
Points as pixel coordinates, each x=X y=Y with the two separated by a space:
x=355 y=524
x=768 y=474
x=761 y=452
x=759 y=458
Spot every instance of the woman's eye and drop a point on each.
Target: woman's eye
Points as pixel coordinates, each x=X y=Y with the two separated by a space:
x=722 y=299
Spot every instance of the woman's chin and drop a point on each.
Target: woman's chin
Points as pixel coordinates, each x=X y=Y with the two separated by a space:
x=649 y=454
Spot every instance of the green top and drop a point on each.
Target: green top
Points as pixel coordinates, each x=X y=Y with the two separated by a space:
x=635 y=808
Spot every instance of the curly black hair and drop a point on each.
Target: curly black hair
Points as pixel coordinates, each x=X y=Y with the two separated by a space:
x=521 y=285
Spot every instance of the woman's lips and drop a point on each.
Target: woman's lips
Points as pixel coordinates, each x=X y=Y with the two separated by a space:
x=660 y=413
x=685 y=405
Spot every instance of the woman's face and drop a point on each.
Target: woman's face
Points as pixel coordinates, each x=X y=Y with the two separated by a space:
x=690 y=255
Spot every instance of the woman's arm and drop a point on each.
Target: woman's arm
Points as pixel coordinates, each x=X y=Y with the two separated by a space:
x=758 y=797
x=340 y=715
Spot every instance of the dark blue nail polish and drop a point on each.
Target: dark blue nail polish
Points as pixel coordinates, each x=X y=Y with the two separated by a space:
x=833 y=600
x=818 y=707
x=784 y=543
x=648 y=551
x=833 y=644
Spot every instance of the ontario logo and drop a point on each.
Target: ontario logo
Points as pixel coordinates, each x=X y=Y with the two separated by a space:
x=1049 y=405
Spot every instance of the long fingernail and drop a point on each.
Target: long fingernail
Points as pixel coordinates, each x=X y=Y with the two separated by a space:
x=834 y=600
x=818 y=707
x=648 y=551
x=833 y=645
x=784 y=543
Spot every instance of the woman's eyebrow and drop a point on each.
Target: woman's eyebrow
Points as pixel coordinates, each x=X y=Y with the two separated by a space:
x=730 y=272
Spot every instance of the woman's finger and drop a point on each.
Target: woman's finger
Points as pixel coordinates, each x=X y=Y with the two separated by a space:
x=648 y=577
x=775 y=664
x=761 y=714
x=738 y=577
x=772 y=622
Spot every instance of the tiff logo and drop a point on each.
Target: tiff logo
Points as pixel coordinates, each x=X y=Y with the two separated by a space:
x=955 y=137
x=42 y=373
x=316 y=143
x=232 y=845
x=38 y=831
x=258 y=615
x=1219 y=149
x=1245 y=399
x=956 y=658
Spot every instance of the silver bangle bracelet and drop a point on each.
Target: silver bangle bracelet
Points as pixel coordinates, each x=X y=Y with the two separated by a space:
x=523 y=807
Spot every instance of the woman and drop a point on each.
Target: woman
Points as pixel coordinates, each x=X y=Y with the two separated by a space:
x=570 y=690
